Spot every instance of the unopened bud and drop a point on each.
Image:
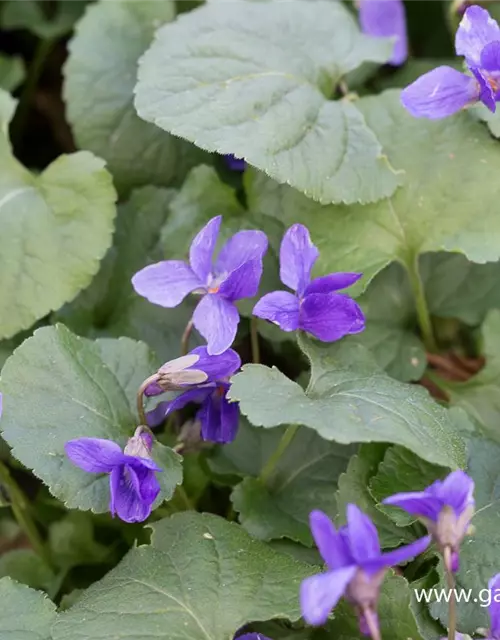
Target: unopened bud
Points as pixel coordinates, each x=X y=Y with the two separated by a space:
x=140 y=444
x=176 y=373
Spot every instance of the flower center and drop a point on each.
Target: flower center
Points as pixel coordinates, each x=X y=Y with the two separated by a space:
x=494 y=83
x=214 y=282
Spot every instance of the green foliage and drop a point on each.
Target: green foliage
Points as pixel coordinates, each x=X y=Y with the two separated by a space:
x=26 y=614
x=265 y=94
x=201 y=578
x=368 y=405
x=55 y=228
x=90 y=393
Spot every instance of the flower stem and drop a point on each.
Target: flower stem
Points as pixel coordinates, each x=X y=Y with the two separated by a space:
x=20 y=509
x=140 y=394
x=452 y=609
x=371 y=623
x=270 y=465
x=254 y=339
x=185 y=338
x=424 y=318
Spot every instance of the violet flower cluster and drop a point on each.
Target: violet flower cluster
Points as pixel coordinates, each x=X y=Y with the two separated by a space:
x=356 y=565
x=444 y=90
x=386 y=19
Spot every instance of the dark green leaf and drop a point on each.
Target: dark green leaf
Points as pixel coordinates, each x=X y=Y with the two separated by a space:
x=202 y=579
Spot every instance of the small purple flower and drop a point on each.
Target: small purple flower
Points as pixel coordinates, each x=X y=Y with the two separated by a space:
x=386 y=18
x=315 y=307
x=494 y=608
x=444 y=90
x=235 y=274
x=355 y=567
x=252 y=636
x=132 y=481
x=446 y=508
x=218 y=417
x=234 y=163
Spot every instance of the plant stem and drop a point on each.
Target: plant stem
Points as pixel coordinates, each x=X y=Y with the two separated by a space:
x=185 y=338
x=20 y=509
x=181 y=492
x=452 y=610
x=371 y=623
x=140 y=394
x=424 y=318
x=270 y=465
x=42 y=52
x=254 y=339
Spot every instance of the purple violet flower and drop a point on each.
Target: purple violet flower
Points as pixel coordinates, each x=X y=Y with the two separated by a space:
x=446 y=508
x=444 y=90
x=494 y=608
x=234 y=163
x=235 y=274
x=315 y=307
x=252 y=636
x=218 y=417
x=386 y=18
x=355 y=567
x=132 y=481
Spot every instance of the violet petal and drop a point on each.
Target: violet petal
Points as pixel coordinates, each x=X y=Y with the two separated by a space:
x=494 y=608
x=330 y=316
x=486 y=92
x=320 y=593
x=417 y=503
x=477 y=29
x=401 y=555
x=490 y=56
x=281 y=308
x=240 y=248
x=243 y=282
x=217 y=320
x=219 y=418
x=297 y=257
x=126 y=499
x=332 y=282
x=94 y=455
x=363 y=537
x=330 y=544
x=161 y=411
x=219 y=366
x=386 y=18
x=166 y=283
x=440 y=93
x=202 y=249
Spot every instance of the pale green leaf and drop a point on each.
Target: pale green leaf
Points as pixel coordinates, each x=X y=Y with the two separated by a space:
x=11 y=72
x=431 y=212
x=56 y=227
x=365 y=403
x=77 y=388
x=99 y=79
x=254 y=80
x=25 y=614
x=304 y=478
x=202 y=579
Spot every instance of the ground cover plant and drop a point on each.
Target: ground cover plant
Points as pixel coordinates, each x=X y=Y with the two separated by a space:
x=249 y=320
